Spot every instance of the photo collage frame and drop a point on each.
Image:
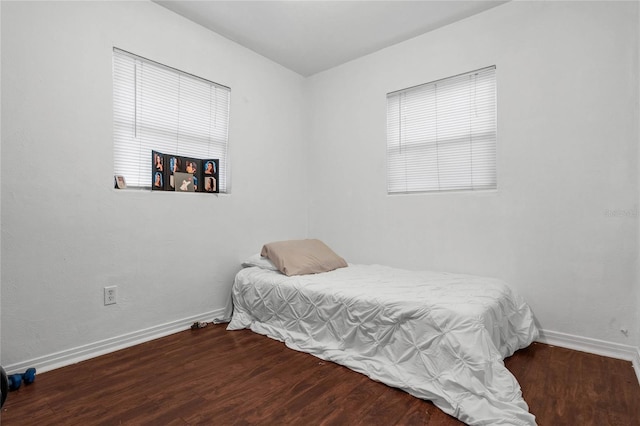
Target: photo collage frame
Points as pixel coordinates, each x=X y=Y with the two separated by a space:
x=184 y=174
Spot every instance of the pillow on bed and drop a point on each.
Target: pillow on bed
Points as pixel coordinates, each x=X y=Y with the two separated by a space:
x=302 y=257
x=260 y=262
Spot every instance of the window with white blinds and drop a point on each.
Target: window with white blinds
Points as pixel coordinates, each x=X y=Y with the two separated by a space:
x=159 y=108
x=441 y=136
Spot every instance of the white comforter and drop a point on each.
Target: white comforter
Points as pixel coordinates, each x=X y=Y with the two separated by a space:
x=440 y=337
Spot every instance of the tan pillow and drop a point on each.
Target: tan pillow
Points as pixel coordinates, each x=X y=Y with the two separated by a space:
x=302 y=257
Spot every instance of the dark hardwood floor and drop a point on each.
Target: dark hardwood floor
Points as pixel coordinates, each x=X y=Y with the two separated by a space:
x=216 y=377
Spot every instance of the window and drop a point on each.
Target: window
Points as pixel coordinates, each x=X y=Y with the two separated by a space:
x=159 y=108
x=441 y=136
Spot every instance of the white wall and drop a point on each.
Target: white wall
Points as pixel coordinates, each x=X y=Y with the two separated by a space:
x=568 y=134
x=637 y=114
x=567 y=76
x=0 y=185
x=66 y=233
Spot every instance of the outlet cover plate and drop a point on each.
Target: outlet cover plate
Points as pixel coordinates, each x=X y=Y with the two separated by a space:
x=110 y=295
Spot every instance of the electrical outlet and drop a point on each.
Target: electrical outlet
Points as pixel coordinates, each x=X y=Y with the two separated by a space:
x=110 y=295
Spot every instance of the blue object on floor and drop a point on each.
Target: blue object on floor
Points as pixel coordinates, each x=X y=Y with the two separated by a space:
x=29 y=376
x=15 y=381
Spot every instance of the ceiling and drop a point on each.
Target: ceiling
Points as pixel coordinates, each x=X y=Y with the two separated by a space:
x=312 y=36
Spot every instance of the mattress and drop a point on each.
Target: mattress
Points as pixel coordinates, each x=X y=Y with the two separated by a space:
x=438 y=336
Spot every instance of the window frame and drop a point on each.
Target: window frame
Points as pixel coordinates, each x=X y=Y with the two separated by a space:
x=185 y=138
x=468 y=117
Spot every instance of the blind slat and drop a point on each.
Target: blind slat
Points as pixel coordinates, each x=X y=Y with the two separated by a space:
x=163 y=109
x=442 y=135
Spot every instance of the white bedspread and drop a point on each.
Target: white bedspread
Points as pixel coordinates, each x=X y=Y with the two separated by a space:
x=440 y=337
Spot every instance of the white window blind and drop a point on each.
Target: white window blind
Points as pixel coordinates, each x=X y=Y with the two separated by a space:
x=159 y=108
x=441 y=136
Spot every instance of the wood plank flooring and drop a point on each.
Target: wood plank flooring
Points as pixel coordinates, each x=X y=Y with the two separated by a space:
x=216 y=377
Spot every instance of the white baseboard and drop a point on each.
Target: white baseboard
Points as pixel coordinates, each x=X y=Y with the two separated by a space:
x=593 y=346
x=585 y=344
x=92 y=350
x=636 y=363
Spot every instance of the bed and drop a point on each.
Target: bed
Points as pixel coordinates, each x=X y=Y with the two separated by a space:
x=438 y=336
